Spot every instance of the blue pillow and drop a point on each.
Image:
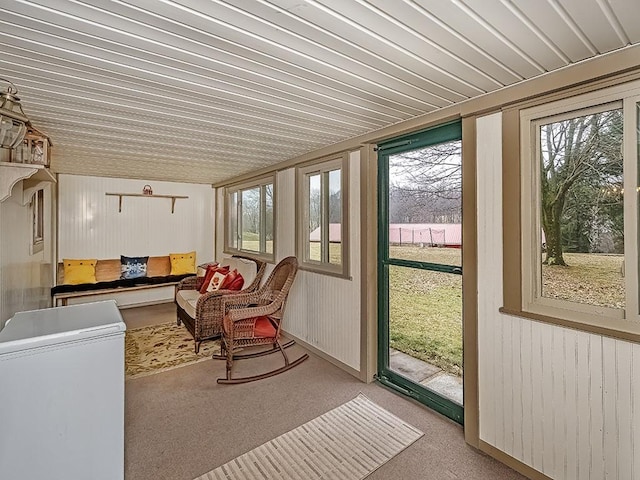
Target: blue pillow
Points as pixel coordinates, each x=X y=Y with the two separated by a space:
x=133 y=267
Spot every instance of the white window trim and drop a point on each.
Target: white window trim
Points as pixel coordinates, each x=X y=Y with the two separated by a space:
x=258 y=182
x=302 y=215
x=627 y=320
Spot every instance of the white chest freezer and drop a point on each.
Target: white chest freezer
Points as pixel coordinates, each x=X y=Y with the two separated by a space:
x=62 y=394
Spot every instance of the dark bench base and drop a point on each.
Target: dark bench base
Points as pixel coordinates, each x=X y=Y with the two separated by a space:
x=62 y=293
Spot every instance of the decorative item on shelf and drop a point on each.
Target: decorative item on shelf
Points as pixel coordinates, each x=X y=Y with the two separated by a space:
x=13 y=121
x=35 y=148
x=147 y=190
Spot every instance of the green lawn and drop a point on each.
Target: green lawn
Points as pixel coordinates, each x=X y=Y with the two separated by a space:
x=426 y=307
x=588 y=278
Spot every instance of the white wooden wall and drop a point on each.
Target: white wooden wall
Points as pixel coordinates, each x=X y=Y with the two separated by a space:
x=90 y=225
x=25 y=279
x=562 y=401
x=322 y=310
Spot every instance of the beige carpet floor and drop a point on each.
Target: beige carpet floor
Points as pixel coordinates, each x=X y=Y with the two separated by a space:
x=181 y=423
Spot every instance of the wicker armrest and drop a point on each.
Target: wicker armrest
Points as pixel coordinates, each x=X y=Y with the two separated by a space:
x=253 y=310
x=188 y=283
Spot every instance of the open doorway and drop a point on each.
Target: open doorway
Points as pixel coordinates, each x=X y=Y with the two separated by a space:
x=420 y=267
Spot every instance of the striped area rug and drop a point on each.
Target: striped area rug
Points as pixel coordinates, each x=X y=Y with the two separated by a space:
x=346 y=443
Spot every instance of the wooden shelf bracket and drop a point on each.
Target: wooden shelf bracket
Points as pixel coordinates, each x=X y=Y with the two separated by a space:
x=12 y=173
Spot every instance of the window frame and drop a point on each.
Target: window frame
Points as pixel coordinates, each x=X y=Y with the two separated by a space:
x=237 y=190
x=625 y=322
x=303 y=172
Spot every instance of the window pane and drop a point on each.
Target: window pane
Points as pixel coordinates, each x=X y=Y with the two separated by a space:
x=38 y=220
x=581 y=209
x=315 y=215
x=269 y=217
x=233 y=220
x=425 y=204
x=250 y=236
x=425 y=322
x=335 y=218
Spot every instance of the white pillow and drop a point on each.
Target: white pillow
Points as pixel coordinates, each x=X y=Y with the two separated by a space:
x=216 y=281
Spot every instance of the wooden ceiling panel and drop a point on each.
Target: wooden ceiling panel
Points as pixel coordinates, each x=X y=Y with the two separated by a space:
x=598 y=23
x=197 y=91
x=627 y=14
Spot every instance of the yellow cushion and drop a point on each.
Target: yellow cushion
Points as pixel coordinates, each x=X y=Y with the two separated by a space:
x=79 y=271
x=183 y=263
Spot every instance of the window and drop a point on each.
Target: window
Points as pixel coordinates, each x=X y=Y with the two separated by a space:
x=37 y=221
x=580 y=208
x=323 y=216
x=250 y=218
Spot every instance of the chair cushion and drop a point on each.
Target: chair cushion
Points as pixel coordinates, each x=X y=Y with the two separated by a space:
x=120 y=283
x=264 y=328
x=187 y=300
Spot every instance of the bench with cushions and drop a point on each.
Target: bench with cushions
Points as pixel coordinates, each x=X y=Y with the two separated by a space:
x=89 y=277
x=202 y=313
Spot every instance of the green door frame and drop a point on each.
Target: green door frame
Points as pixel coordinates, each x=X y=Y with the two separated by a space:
x=433 y=136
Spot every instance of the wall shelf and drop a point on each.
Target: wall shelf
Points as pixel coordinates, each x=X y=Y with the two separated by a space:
x=120 y=195
x=11 y=173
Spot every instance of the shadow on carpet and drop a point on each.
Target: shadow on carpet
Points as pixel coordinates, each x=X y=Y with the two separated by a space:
x=158 y=348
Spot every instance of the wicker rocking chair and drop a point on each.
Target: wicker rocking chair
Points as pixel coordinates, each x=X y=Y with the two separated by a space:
x=254 y=319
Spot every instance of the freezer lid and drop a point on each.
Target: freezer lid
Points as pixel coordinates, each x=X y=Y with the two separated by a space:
x=37 y=328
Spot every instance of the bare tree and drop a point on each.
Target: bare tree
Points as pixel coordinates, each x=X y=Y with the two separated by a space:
x=582 y=150
x=426 y=185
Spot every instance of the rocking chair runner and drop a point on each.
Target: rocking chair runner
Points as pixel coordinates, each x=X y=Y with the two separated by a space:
x=253 y=319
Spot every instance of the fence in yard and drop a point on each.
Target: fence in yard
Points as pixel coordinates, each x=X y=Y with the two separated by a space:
x=424 y=234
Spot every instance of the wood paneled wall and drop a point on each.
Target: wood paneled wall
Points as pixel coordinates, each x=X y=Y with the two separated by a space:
x=25 y=279
x=90 y=225
x=324 y=311
x=562 y=401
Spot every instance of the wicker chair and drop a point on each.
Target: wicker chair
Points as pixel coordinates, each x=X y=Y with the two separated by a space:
x=207 y=322
x=254 y=319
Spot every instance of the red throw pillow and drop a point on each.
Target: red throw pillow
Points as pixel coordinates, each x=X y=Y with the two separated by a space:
x=237 y=283
x=201 y=273
x=231 y=276
x=211 y=269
